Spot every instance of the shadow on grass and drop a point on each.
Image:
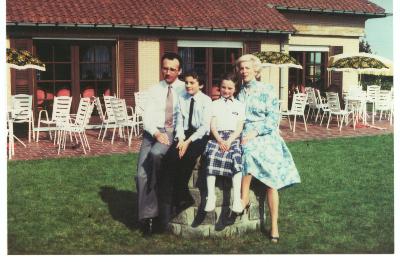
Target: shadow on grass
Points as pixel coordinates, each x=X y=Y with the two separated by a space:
x=122 y=205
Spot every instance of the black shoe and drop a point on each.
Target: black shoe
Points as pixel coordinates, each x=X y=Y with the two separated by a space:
x=160 y=225
x=231 y=219
x=147 y=227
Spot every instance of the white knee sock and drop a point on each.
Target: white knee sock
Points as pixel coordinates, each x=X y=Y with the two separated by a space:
x=211 y=186
x=236 y=184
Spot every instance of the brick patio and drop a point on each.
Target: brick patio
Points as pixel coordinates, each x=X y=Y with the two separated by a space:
x=45 y=149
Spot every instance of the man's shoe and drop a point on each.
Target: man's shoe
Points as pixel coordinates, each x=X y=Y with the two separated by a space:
x=230 y=219
x=147 y=227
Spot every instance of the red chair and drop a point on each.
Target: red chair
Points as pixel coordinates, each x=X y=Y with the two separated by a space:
x=107 y=92
x=64 y=92
x=49 y=96
x=40 y=96
x=88 y=92
x=215 y=92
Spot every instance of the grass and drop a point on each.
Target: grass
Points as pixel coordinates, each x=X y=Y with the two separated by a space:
x=88 y=205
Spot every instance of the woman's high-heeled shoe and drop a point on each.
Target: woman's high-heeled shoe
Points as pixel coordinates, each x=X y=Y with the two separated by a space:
x=273 y=239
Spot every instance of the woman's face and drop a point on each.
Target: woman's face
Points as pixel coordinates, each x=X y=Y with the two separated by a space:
x=227 y=88
x=246 y=71
x=192 y=85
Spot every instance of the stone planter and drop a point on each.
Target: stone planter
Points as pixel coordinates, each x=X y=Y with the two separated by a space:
x=195 y=222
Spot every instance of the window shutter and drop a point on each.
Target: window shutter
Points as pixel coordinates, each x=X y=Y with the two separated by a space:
x=252 y=47
x=336 y=77
x=128 y=70
x=22 y=80
x=168 y=46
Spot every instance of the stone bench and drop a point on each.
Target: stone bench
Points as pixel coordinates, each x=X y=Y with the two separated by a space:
x=194 y=221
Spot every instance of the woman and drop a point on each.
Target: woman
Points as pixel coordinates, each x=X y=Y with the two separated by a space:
x=265 y=154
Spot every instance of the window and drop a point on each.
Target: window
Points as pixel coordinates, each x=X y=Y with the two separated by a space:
x=57 y=79
x=313 y=73
x=95 y=70
x=212 y=63
x=74 y=68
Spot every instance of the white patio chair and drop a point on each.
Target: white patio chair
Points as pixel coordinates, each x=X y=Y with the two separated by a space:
x=280 y=113
x=334 y=109
x=392 y=110
x=11 y=137
x=140 y=101
x=109 y=115
x=105 y=122
x=372 y=96
x=322 y=106
x=22 y=112
x=384 y=104
x=345 y=94
x=61 y=109
x=311 y=103
x=77 y=125
x=123 y=120
x=298 y=107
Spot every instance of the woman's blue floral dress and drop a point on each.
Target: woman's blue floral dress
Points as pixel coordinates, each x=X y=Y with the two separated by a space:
x=265 y=157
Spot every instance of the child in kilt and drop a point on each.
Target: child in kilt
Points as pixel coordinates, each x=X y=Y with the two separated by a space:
x=223 y=153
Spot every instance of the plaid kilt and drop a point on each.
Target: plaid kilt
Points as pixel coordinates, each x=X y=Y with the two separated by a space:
x=223 y=163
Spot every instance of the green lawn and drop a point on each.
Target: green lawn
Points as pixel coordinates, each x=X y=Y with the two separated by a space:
x=87 y=205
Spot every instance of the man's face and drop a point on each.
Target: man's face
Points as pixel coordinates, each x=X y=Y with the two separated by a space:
x=170 y=70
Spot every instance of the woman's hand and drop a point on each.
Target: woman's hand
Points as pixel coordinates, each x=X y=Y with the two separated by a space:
x=251 y=135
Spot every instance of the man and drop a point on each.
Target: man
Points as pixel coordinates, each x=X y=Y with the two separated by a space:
x=159 y=120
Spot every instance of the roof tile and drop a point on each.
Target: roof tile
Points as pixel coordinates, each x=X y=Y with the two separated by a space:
x=340 y=5
x=223 y=14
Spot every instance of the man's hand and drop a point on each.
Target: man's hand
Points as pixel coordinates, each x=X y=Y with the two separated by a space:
x=162 y=138
x=251 y=135
x=183 y=147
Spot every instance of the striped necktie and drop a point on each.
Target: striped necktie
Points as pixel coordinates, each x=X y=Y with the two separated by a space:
x=169 y=108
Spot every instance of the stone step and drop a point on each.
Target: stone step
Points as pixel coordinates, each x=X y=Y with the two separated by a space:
x=194 y=221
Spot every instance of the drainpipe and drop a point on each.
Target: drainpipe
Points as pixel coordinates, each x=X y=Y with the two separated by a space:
x=281 y=49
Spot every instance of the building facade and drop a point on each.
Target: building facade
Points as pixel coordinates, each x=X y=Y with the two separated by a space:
x=114 y=47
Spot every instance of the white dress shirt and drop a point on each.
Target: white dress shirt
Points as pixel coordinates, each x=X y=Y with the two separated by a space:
x=201 y=115
x=154 y=109
x=227 y=113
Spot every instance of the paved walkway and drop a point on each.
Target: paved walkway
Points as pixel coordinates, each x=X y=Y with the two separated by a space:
x=45 y=149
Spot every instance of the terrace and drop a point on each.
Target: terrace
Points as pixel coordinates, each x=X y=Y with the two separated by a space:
x=45 y=148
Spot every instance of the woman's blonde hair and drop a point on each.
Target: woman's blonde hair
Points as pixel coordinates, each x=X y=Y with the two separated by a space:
x=254 y=60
